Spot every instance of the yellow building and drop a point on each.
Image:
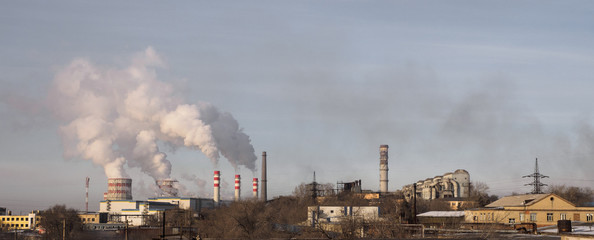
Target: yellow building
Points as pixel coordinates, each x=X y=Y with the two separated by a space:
x=542 y=209
x=88 y=218
x=457 y=204
x=21 y=222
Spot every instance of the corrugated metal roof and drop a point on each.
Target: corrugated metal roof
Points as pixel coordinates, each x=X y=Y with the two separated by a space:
x=518 y=200
x=442 y=214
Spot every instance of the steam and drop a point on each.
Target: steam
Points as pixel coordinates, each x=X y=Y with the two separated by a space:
x=117 y=117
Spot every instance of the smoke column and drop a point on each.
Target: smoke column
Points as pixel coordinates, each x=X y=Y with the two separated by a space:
x=115 y=117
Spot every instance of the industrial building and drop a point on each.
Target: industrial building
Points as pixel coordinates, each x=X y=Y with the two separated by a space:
x=20 y=222
x=138 y=213
x=541 y=209
x=449 y=185
x=336 y=214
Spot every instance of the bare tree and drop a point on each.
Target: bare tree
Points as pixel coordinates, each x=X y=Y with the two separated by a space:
x=309 y=189
x=479 y=192
x=58 y=221
x=577 y=195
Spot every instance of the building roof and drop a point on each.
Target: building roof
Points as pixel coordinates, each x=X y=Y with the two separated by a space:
x=518 y=200
x=442 y=214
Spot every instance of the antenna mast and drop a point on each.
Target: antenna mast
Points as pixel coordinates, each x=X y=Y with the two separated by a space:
x=536 y=182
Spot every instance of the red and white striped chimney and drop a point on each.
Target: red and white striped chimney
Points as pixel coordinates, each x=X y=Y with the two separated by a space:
x=217 y=190
x=255 y=187
x=237 y=187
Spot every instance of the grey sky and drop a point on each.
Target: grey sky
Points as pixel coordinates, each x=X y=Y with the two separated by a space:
x=484 y=86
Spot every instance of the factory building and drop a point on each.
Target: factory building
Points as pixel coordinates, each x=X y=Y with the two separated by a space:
x=92 y=218
x=137 y=213
x=335 y=214
x=450 y=185
x=20 y=222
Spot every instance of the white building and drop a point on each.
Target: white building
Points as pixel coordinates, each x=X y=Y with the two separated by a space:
x=335 y=214
x=138 y=213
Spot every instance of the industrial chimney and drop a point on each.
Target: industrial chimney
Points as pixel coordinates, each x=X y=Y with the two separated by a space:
x=87 y=194
x=118 y=189
x=217 y=191
x=383 y=169
x=237 y=187
x=263 y=192
x=255 y=187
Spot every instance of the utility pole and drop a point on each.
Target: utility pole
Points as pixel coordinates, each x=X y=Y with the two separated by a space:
x=64 y=229
x=126 y=227
x=163 y=235
x=536 y=182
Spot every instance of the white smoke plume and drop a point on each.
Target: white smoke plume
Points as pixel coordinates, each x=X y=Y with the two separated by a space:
x=196 y=181
x=117 y=117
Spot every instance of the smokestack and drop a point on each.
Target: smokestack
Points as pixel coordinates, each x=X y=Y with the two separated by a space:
x=263 y=193
x=87 y=194
x=255 y=187
x=217 y=192
x=118 y=189
x=383 y=168
x=237 y=187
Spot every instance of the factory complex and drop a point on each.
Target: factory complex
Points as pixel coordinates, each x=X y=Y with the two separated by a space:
x=118 y=209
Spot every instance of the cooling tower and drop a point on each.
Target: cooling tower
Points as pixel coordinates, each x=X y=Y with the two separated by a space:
x=237 y=187
x=383 y=168
x=167 y=188
x=255 y=187
x=217 y=190
x=118 y=189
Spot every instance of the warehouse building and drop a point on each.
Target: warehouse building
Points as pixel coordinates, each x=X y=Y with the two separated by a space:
x=541 y=209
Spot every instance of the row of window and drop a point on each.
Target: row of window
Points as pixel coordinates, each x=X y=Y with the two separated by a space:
x=13 y=219
x=15 y=225
x=88 y=219
x=532 y=217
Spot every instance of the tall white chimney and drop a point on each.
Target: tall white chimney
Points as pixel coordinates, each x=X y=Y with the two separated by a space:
x=383 y=168
x=237 y=187
x=217 y=190
x=255 y=187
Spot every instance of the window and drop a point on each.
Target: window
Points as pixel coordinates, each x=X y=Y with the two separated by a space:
x=512 y=220
x=563 y=216
x=589 y=217
x=549 y=217
x=522 y=218
x=93 y=219
x=26 y=225
x=533 y=217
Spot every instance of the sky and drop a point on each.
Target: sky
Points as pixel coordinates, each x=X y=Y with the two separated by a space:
x=485 y=86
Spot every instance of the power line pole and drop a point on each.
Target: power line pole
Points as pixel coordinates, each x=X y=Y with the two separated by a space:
x=536 y=184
